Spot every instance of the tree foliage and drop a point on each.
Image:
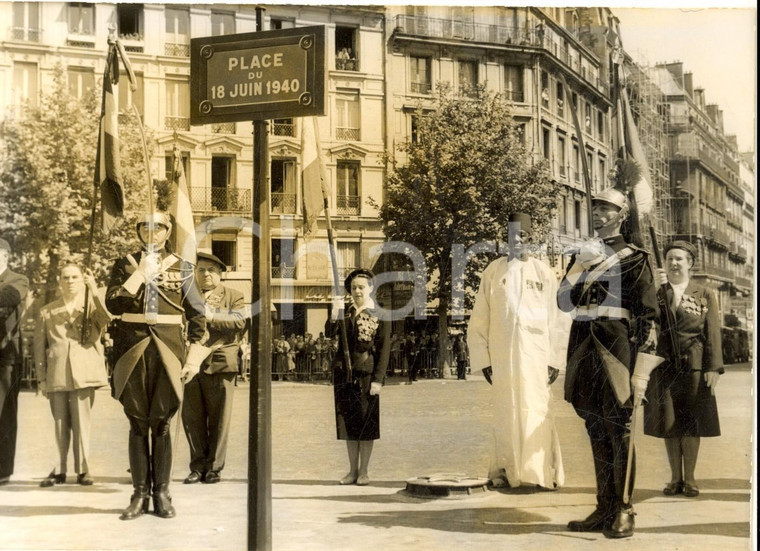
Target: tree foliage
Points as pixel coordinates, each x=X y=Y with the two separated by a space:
x=458 y=182
x=47 y=163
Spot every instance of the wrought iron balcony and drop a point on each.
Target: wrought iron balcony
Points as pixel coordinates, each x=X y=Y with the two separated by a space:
x=284 y=129
x=177 y=123
x=517 y=96
x=223 y=128
x=343 y=64
x=176 y=50
x=25 y=34
x=349 y=134
x=420 y=87
x=216 y=199
x=283 y=203
x=348 y=205
x=283 y=272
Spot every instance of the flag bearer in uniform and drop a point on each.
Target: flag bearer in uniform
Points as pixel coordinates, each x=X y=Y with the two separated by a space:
x=609 y=290
x=155 y=294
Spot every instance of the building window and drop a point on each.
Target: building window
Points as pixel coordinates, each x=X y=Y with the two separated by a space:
x=283 y=186
x=177 y=32
x=177 y=104
x=222 y=23
x=169 y=167
x=127 y=97
x=278 y=23
x=347 y=116
x=420 y=75
x=560 y=99
x=224 y=247
x=221 y=182
x=26 y=21
x=347 y=197
x=590 y=165
x=546 y=142
x=561 y=155
x=513 y=83
x=345 y=49
x=576 y=163
x=25 y=88
x=600 y=124
x=589 y=127
x=545 y=89
x=602 y=174
x=562 y=215
x=284 y=127
x=349 y=258
x=520 y=131
x=414 y=127
x=129 y=17
x=468 y=77
x=575 y=103
x=81 y=18
x=81 y=81
x=283 y=258
x=577 y=216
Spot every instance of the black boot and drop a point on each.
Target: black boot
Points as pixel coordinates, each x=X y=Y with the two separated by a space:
x=597 y=521
x=162 y=465
x=139 y=466
x=622 y=524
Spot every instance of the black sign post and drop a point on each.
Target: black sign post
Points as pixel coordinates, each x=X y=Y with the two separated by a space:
x=256 y=77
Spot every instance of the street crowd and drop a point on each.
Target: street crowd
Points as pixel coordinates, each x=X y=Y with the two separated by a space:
x=626 y=336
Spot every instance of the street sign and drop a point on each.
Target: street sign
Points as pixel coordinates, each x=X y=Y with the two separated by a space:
x=258 y=76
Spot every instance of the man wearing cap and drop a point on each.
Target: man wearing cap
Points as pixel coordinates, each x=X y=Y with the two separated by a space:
x=154 y=293
x=517 y=336
x=207 y=410
x=609 y=290
x=13 y=290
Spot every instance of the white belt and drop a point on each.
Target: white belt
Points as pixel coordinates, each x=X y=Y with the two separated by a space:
x=158 y=319
x=601 y=311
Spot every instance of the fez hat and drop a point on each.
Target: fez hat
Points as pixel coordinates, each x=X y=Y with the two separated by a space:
x=683 y=245
x=4 y=245
x=359 y=272
x=212 y=258
x=521 y=218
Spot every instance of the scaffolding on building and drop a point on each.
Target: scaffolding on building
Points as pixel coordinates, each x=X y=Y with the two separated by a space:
x=650 y=113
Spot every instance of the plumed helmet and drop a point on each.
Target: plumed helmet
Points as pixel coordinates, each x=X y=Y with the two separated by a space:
x=155 y=218
x=611 y=196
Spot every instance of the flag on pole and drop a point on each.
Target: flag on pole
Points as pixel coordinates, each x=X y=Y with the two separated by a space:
x=181 y=210
x=642 y=189
x=314 y=184
x=107 y=164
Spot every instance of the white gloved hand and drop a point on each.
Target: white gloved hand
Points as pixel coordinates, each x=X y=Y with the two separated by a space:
x=639 y=384
x=375 y=388
x=188 y=372
x=209 y=315
x=591 y=252
x=150 y=264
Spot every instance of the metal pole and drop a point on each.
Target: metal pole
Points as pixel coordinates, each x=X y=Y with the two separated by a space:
x=260 y=408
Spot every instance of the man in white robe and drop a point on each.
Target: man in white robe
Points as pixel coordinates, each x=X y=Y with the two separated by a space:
x=518 y=336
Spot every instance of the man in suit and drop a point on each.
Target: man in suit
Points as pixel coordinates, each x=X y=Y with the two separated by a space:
x=207 y=410
x=13 y=290
x=154 y=293
x=609 y=290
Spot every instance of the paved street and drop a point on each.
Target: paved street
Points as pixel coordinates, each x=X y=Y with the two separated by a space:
x=431 y=426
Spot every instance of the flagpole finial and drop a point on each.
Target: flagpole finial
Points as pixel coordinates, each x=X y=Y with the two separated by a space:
x=111 y=33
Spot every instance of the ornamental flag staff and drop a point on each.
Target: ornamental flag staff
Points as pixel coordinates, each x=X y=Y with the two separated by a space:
x=182 y=211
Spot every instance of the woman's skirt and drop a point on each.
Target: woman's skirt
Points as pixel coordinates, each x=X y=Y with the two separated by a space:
x=357 y=414
x=680 y=404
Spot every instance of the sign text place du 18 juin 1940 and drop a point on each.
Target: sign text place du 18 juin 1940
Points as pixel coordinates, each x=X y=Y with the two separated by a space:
x=258 y=76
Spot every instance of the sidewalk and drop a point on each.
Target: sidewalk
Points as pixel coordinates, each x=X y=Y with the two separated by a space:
x=428 y=427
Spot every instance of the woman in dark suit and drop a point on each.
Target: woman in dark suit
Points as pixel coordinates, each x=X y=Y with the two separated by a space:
x=681 y=406
x=357 y=391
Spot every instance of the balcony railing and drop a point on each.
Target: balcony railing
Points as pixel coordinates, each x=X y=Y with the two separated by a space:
x=344 y=133
x=420 y=87
x=215 y=199
x=177 y=50
x=223 y=128
x=283 y=203
x=284 y=129
x=177 y=123
x=348 y=205
x=744 y=282
x=283 y=272
x=515 y=95
x=494 y=34
x=714 y=270
x=25 y=34
x=342 y=64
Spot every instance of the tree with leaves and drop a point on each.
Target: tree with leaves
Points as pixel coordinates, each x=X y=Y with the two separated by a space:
x=47 y=163
x=456 y=184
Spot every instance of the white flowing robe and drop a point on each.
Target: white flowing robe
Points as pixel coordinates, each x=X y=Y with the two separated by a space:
x=518 y=330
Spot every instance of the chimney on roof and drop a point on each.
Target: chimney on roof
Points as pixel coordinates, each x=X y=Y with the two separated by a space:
x=699 y=97
x=732 y=140
x=719 y=120
x=712 y=112
x=676 y=69
x=688 y=83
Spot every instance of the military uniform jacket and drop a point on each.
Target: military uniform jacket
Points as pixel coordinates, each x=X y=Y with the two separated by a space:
x=173 y=293
x=626 y=283
x=368 y=343
x=224 y=329
x=697 y=330
x=13 y=289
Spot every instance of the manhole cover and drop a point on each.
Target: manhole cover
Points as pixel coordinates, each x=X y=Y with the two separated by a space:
x=446 y=485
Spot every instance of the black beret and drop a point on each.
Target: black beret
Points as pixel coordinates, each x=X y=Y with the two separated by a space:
x=523 y=219
x=363 y=272
x=210 y=257
x=684 y=245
